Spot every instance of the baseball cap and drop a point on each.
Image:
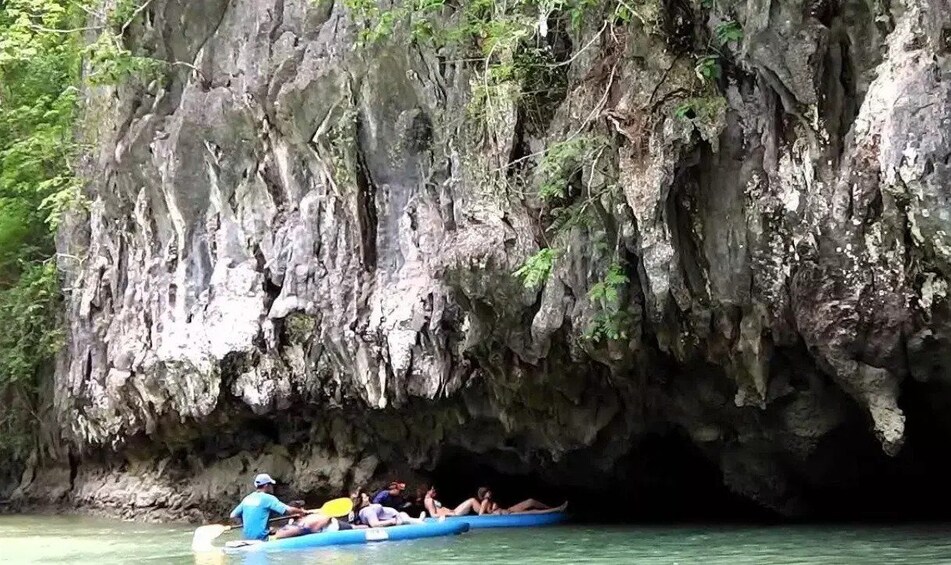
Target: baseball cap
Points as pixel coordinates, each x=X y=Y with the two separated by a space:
x=264 y=479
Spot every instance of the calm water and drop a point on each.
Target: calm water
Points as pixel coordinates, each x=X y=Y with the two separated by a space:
x=101 y=542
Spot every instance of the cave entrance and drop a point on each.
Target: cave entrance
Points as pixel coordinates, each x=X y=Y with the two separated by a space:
x=855 y=481
x=663 y=479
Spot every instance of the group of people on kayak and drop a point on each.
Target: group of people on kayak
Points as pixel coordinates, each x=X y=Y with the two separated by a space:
x=387 y=507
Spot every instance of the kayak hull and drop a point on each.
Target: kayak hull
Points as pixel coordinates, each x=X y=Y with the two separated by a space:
x=357 y=536
x=508 y=520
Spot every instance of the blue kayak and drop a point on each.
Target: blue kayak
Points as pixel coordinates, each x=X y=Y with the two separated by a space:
x=506 y=520
x=351 y=537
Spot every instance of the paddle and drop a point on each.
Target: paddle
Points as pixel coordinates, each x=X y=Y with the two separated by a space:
x=204 y=535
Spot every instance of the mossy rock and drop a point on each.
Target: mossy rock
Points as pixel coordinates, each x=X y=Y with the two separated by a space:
x=298 y=327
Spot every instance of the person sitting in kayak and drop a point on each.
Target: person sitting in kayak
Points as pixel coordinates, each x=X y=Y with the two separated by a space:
x=378 y=516
x=436 y=509
x=255 y=509
x=528 y=506
x=392 y=496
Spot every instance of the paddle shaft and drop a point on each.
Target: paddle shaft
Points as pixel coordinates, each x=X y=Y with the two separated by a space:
x=276 y=519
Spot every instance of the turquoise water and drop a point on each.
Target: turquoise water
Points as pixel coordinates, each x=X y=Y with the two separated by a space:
x=32 y=539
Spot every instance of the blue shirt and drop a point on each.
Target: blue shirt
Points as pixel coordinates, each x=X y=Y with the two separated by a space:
x=254 y=511
x=386 y=499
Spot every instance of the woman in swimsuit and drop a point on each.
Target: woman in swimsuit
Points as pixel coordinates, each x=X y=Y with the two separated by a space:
x=528 y=506
x=379 y=516
x=436 y=509
x=310 y=524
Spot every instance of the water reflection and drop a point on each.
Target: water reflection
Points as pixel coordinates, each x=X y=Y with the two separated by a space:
x=46 y=539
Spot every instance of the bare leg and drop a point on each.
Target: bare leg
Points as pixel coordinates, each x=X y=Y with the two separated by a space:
x=404 y=518
x=305 y=525
x=468 y=507
x=532 y=506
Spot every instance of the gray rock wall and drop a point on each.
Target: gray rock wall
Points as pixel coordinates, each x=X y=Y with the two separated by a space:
x=299 y=235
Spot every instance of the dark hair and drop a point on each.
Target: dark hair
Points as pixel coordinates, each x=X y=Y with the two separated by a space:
x=357 y=498
x=480 y=494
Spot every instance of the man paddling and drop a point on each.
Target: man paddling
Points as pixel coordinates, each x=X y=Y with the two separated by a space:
x=256 y=508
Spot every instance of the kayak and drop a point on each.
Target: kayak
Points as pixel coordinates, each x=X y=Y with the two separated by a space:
x=476 y=522
x=355 y=536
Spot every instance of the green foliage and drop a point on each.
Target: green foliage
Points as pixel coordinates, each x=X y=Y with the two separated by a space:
x=121 y=14
x=29 y=314
x=534 y=273
x=708 y=68
x=728 y=32
x=565 y=160
x=611 y=322
x=112 y=63
x=40 y=62
x=501 y=39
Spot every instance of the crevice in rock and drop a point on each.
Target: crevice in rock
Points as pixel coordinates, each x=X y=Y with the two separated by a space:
x=271 y=181
x=73 y=460
x=678 y=25
x=272 y=290
x=545 y=86
x=681 y=217
x=365 y=207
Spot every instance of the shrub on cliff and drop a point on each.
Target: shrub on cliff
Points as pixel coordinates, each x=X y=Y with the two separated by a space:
x=40 y=62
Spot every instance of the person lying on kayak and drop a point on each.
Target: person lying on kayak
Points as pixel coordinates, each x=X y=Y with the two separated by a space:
x=377 y=515
x=392 y=496
x=310 y=524
x=255 y=509
x=528 y=506
x=436 y=509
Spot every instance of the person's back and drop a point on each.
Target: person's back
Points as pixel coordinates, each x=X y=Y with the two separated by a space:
x=255 y=509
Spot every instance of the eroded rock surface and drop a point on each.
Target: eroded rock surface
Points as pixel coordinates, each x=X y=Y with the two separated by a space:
x=298 y=254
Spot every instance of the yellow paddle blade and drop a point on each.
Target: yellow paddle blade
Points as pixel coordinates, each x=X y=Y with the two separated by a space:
x=336 y=508
x=205 y=535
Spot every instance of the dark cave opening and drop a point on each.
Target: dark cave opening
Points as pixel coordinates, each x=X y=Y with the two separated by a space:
x=856 y=481
x=666 y=479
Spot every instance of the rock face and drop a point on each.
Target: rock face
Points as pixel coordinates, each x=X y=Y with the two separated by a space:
x=299 y=250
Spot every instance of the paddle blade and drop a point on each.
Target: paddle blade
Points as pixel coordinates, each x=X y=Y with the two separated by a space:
x=336 y=508
x=205 y=535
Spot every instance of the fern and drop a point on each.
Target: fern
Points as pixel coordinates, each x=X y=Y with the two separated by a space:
x=708 y=68
x=610 y=321
x=536 y=269
x=728 y=32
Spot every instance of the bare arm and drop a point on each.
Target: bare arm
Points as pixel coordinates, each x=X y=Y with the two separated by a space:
x=376 y=523
x=430 y=506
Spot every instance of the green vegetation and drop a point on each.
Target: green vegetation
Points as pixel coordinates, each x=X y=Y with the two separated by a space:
x=42 y=52
x=611 y=321
x=536 y=269
x=574 y=177
x=39 y=69
x=728 y=32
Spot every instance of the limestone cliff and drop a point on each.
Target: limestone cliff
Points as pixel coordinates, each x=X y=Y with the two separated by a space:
x=300 y=244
